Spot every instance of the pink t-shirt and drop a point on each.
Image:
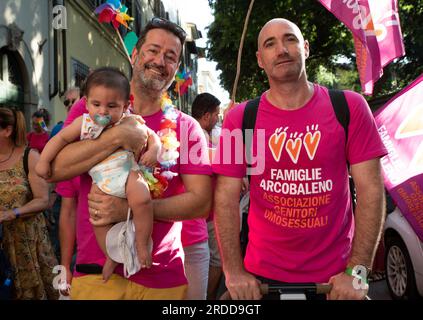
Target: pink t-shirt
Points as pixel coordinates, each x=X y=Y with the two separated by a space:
x=68 y=188
x=300 y=220
x=37 y=140
x=211 y=214
x=77 y=110
x=168 y=269
x=195 y=231
x=211 y=148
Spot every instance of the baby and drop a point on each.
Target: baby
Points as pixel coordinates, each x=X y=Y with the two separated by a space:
x=107 y=94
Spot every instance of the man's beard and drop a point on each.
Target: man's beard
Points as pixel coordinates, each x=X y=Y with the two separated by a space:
x=210 y=127
x=150 y=82
x=291 y=72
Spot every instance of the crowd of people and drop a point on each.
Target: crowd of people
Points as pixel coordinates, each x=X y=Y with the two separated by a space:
x=147 y=201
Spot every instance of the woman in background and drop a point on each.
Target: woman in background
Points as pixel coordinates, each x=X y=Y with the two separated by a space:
x=22 y=199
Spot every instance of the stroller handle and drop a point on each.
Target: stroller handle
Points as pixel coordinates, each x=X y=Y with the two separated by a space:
x=316 y=288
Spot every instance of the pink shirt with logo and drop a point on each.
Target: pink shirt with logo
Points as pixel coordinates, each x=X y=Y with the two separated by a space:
x=168 y=269
x=300 y=220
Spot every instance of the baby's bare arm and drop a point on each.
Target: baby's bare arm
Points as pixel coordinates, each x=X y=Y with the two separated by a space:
x=153 y=141
x=55 y=145
x=65 y=136
x=81 y=156
x=149 y=158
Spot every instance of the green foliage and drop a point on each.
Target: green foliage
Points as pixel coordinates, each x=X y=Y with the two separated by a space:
x=332 y=55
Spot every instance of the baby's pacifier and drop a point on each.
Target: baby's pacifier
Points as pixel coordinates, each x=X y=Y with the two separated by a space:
x=102 y=120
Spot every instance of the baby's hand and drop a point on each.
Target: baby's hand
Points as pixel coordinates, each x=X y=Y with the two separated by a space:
x=138 y=118
x=43 y=169
x=149 y=158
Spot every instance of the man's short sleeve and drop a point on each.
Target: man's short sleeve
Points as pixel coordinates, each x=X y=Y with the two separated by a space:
x=229 y=157
x=194 y=156
x=364 y=142
x=68 y=188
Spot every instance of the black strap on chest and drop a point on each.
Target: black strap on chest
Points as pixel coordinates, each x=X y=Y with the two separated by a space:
x=25 y=160
x=248 y=123
x=342 y=111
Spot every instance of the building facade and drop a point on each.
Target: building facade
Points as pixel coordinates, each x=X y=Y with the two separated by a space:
x=24 y=54
x=47 y=46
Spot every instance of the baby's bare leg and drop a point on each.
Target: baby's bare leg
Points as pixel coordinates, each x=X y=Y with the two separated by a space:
x=141 y=205
x=109 y=265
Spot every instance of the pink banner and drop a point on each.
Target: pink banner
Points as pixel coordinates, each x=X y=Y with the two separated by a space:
x=400 y=125
x=367 y=51
x=377 y=34
x=387 y=29
x=368 y=62
x=349 y=13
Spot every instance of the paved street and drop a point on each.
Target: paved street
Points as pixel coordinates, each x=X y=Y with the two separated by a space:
x=379 y=290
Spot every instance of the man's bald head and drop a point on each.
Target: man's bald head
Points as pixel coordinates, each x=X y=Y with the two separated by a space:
x=282 y=51
x=275 y=23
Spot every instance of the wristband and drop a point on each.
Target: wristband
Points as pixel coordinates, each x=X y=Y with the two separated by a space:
x=17 y=212
x=353 y=273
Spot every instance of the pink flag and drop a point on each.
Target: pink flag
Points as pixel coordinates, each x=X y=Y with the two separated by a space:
x=348 y=12
x=400 y=125
x=377 y=34
x=388 y=30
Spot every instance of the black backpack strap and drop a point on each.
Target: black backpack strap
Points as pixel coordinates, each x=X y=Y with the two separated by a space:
x=249 y=122
x=25 y=160
x=342 y=111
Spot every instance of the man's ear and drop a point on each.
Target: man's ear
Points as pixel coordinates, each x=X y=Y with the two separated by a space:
x=177 y=68
x=134 y=57
x=260 y=64
x=306 y=49
x=206 y=116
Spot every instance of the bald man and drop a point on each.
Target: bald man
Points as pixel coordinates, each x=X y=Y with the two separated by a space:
x=301 y=223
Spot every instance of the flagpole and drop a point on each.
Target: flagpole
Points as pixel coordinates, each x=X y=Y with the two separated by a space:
x=241 y=45
x=123 y=44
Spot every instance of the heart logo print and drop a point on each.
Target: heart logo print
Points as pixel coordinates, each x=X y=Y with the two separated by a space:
x=311 y=142
x=276 y=143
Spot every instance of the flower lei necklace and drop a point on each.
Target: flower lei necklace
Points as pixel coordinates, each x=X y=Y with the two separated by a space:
x=169 y=154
